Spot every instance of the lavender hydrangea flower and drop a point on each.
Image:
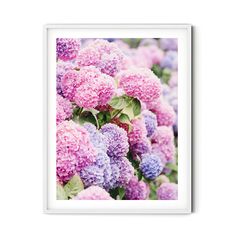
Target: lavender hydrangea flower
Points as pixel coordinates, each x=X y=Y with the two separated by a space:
x=169 y=43
x=150 y=122
x=92 y=175
x=151 y=166
x=136 y=190
x=167 y=191
x=97 y=138
x=170 y=60
x=118 y=146
x=67 y=49
x=62 y=68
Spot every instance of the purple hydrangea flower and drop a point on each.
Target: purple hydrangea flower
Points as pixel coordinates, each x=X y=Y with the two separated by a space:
x=141 y=147
x=136 y=190
x=126 y=171
x=118 y=146
x=67 y=49
x=167 y=191
x=151 y=165
x=150 y=122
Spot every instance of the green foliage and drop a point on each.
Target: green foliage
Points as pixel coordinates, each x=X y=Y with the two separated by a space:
x=74 y=186
x=127 y=105
x=172 y=166
x=118 y=102
x=103 y=117
x=88 y=116
x=121 y=193
x=162 y=74
x=156 y=69
x=61 y=194
x=132 y=42
x=153 y=188
x=136 y=104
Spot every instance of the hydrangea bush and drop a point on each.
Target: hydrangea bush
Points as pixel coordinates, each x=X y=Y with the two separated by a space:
x=116 y=118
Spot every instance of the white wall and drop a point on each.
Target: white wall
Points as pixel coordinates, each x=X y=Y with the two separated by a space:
x=21 y=115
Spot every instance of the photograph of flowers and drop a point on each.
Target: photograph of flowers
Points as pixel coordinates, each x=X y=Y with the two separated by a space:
x=116 y=119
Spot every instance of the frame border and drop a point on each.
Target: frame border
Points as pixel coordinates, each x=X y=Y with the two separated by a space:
x=189 y=46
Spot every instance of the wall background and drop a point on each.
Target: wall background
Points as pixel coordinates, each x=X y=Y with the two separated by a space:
x=21 y=115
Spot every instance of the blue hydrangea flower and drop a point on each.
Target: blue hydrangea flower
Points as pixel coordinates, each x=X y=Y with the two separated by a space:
x=151 y=166
x=150 y=122
x=98 y=140
x=170 y=60
x=118 y=146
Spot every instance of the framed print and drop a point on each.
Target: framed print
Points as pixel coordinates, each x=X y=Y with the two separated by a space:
x=117 y=118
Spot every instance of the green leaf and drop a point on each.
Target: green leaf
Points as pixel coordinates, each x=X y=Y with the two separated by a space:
x=139 y=175
x=61 y=194
x=124 y=118
x=166 y=73
x=103 y=117
x=157 y=70
x=172 y=166
x=88 y=116
x=74 y=186
x=118 y=102
x=136 y=106
x=129 y=111
x=121 y=193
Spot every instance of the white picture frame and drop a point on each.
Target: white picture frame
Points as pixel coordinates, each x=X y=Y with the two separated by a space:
x=184 y=34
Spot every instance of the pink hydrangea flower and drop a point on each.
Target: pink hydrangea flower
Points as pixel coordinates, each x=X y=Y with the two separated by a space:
x=140 y=83
x=93 y=193
x=64 y=109
x=147 y=56
x=165 y=113
x=163 y=142
x=138 y=132
x=69 y=84
x=88 y=87
x=73 y=142
x=136 y=190
x=104 y=55
x=167 y=191
x=88 y=56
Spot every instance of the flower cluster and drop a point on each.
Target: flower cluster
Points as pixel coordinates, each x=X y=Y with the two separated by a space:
x=102 y=54
x=116 y=118
x=140 y=83
x=74 y=150
x=93 y=193
x=167 y=191
x=87 y=87
x=137 y=190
